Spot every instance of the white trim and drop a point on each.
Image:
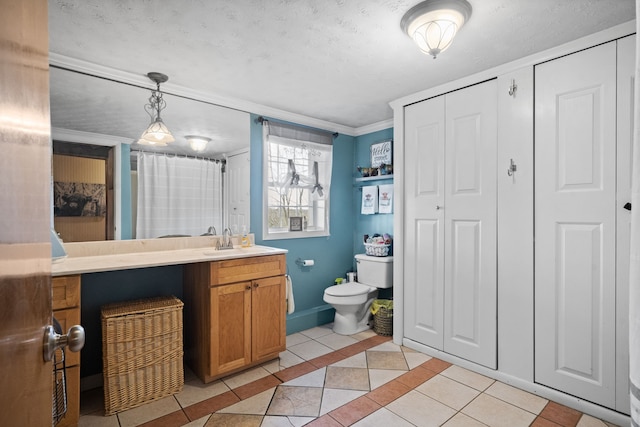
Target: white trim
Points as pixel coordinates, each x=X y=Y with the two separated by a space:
x=374 y=127
x=80 y=137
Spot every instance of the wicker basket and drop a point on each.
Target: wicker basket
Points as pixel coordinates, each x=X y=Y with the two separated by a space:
x=375 y=249
x=383 y=321
x=142 y=352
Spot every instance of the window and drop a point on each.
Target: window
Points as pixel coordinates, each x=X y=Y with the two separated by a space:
x=297 y=177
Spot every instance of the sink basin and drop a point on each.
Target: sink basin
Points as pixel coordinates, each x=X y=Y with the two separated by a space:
x=251 y=250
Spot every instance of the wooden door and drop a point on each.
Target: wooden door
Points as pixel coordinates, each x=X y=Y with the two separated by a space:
x=268 y=317
x=238 y=190
x=25 y=199
x=230 y=333
x=424 y=222
x=575 y=220
x=470 y=205
x=625 y=117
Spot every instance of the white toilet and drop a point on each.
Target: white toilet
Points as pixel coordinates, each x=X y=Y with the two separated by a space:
x=353 y=300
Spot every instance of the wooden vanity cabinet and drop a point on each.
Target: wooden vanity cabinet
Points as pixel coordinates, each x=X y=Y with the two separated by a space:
x=66 y=309
x=234 y=314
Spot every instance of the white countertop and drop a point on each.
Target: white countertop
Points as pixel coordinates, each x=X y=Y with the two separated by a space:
x=102 y=256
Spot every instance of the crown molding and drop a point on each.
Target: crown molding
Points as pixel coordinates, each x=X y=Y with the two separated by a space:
x=81 y=137
x=78 y=65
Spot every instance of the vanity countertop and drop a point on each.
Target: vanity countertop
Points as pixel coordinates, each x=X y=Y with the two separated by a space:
x=92 y=257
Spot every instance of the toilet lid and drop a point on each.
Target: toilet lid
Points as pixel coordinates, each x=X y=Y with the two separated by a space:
x=347 y=289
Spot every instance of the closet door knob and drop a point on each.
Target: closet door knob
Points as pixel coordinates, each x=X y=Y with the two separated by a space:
x=438 y=207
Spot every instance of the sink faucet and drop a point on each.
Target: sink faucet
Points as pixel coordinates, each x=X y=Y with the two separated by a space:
x=211 y=231
x=226 y=239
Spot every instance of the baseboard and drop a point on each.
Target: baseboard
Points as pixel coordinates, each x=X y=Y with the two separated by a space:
x=310 y=318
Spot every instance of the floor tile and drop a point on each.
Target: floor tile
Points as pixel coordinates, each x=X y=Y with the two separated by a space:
x=312 y=379
x=415 y=359
x=97 y=419
x=386 y=360
x=196 y=391
x=335 y=398
x=148 y=412
x=281 y=421
x=436 y=365
x=542 y=422
x=386 y=346
x=421 y=410
x=382 y=417
x=560 y=414
x=234 y=420
x=465 y=376
x=416 y=377
x=296 y=338
x=354 y=411
x=496 y=413
x=288 y=359
x=448 y=391
x=257 y=386
x=462 y=420
x=298 y=401
x=200 y=422
x=245 y=377
x=357 y=361
x=327 y=359
x=92 y=401
x=309 y=350
x=255 y=405
x=364 y=334
x=295 y=371
x=318 y=331
x=378 y=377
x=347 y=378
x=388 y=392
x=337 y=341
x=324 y=421
x=211 y=405
x=589 y=421
x=520 y=398
x=174 y=419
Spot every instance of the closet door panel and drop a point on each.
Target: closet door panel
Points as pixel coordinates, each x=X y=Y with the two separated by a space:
x=424 y=232
x=575 y=189
x=470 y=286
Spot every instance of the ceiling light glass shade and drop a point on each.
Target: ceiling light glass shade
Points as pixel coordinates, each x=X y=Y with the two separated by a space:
x=197 y=143
x=156 y=134
x=433 y=24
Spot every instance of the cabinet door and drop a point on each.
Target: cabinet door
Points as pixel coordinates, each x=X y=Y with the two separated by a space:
x=268 y=316
x=470 y=278
x=230 y=333
x=424 y=222
x=575 y=220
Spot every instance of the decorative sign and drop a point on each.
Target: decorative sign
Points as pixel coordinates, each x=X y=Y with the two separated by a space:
x=295 y=223
x=381 y=153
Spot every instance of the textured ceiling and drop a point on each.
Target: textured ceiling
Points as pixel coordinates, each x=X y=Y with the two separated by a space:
x=341 y=61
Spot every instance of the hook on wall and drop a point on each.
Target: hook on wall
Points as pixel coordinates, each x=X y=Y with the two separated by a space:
x=513 y=88
x=512 y=168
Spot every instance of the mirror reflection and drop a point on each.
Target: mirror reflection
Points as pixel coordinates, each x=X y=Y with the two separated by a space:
x=92 y=115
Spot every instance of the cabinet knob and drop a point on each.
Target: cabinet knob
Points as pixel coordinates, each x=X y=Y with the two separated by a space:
x=248 y=287
x=255 y=285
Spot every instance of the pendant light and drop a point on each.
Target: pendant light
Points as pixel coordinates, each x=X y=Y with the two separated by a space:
x=156 y=133
x=433 y=24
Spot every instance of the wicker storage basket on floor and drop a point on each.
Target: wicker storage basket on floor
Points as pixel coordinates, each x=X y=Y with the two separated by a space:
x=142 y=352
x=383 y=321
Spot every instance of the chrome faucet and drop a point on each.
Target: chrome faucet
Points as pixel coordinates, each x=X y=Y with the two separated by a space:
x=227 y=243
x=210 y=232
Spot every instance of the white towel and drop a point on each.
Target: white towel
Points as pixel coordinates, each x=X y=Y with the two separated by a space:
x=369 y=200
x=291 y=305
x=385 y=204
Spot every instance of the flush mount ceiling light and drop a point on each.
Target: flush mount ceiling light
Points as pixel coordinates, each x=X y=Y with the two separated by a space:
x=156 y=133
x=197 y=143
x=433 y=24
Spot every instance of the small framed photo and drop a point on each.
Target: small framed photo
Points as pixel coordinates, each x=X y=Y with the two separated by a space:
x=295 y=223
x=381 y=153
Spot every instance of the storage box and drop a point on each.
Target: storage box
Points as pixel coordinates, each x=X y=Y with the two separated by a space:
x=142 y=352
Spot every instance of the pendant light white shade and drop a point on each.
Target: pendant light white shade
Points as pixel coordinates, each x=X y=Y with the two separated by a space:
x=157 y=133
x=433 y=24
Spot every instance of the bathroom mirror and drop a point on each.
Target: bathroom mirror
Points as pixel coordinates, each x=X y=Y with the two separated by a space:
x=91 y=110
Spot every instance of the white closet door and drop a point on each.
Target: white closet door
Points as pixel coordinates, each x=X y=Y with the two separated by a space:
x=424 y=229
x=626 y=84
x=238 y=192
x=470 y=287
x=575 y=219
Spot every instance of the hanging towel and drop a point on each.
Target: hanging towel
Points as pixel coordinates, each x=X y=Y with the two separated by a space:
x=291 y=305
x=385 y=203
x=369 y=200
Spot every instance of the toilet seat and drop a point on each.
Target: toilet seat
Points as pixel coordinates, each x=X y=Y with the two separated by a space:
x=348 y=289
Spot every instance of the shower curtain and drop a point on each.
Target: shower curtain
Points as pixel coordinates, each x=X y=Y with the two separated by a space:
x=178 y=195
x=634 y=273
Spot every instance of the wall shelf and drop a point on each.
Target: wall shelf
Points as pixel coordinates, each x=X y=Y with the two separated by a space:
x=373 y=178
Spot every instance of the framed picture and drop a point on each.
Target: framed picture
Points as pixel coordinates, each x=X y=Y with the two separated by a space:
x=381 y=153
x=295 y=223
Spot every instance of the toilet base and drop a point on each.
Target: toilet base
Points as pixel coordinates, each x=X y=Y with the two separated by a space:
x=345 y=325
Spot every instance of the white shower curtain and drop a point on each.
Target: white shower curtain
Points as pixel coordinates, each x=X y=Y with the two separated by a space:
x=634 y=273
x=177 y=196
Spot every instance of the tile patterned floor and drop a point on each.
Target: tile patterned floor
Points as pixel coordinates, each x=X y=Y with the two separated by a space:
x=330 y=380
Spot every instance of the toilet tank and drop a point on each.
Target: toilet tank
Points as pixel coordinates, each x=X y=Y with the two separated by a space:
x=375 y=270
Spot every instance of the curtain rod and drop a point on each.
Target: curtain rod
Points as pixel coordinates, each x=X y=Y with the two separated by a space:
x=180 y=155
x=262 y=120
